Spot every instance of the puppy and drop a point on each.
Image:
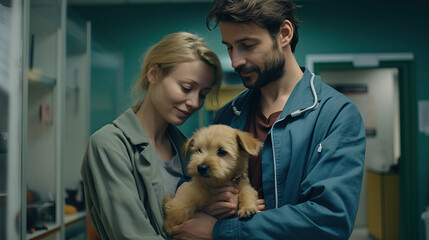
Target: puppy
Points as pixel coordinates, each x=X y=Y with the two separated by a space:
x=219 y=154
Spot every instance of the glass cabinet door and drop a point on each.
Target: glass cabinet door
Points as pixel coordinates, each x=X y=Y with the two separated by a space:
x=43 y=116
x=10 y=55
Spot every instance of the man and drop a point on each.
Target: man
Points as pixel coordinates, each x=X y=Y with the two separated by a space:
x=310 y=169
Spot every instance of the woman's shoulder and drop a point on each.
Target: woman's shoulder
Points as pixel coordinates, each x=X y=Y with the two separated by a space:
x=109 y=135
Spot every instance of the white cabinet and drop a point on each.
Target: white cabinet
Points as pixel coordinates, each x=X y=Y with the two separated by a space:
x=77 y=105
x=55 y=117
x=44 y=117
x=77 y=120
x=10 y=52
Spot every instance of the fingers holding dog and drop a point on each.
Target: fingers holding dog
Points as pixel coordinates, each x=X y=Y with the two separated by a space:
x=198 y=227
x=261 y=205
x=223 y=202
x=183 y=188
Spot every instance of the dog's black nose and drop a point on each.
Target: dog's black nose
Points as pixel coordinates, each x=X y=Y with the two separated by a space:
x=203 y=169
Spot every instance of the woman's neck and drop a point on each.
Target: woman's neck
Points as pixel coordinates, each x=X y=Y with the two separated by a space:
x=154 y=126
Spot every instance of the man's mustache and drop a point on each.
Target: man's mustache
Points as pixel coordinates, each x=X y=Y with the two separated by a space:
x=246 y=69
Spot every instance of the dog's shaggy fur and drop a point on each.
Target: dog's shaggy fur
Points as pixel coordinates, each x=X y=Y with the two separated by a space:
x=219 y=154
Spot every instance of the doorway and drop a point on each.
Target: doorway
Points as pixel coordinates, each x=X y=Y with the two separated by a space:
x=403 y=64
x=375 y=92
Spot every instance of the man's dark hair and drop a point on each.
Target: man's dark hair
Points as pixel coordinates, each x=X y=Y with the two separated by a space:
x=268 y=14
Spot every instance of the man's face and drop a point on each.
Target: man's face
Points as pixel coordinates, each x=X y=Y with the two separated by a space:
x=253 y=52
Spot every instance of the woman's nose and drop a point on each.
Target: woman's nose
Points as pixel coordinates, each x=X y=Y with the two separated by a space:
x=193 y=101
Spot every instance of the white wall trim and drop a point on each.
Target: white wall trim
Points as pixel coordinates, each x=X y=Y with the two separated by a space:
x=358 y=60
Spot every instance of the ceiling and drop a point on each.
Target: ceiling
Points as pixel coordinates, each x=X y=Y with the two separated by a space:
x=91 y=2
x=100 y=2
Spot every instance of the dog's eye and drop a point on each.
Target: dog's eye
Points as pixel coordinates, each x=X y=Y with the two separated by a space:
x=199 y=150
x=221 y=152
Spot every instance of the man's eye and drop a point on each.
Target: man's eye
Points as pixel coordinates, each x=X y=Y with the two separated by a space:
x=245 y=46
x=221 y=152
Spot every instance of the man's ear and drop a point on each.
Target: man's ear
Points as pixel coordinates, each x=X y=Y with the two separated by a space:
x=285 y=33
x=153 y=73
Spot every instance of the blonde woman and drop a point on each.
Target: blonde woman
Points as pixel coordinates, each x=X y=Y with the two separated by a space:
x=133 y=163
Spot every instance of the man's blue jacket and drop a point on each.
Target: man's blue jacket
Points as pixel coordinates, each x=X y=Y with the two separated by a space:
x=312 y=166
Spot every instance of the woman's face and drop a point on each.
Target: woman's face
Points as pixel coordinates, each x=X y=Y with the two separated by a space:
x=182 y=92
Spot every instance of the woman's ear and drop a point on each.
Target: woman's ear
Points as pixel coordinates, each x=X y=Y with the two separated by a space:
x=285 y=33
x=153 y=73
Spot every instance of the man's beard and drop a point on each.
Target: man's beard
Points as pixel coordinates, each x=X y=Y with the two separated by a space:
x=273 y=69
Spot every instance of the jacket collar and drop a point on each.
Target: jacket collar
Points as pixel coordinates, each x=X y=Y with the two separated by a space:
x=130 y=126
x=300 y=98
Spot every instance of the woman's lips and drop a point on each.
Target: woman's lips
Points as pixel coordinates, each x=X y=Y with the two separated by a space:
x=183 y=114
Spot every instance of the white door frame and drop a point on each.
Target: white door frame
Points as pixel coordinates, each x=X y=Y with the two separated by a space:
x=358 y=60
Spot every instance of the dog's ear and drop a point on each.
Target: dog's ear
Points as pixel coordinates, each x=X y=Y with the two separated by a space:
x=250 y=144
x=187 y=146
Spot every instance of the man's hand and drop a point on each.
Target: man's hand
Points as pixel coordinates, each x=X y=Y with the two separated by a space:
x=182 y=189
x=199 y=227
x=224 y=201
x=261 y=205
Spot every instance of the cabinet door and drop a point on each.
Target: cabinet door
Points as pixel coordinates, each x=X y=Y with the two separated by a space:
x=10 y=55
x=76 y=127
x=43 y=90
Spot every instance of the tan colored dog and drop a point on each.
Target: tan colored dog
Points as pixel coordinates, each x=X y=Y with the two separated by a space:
x=219 y=154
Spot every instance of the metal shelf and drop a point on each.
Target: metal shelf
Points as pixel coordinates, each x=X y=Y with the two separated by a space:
x=37 y=78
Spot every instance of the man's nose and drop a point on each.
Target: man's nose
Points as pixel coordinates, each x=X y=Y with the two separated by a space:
x=237 y=59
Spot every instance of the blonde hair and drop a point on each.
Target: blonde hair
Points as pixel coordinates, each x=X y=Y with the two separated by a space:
x=171 y=51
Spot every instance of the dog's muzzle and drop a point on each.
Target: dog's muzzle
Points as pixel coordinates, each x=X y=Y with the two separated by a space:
x=203 y=169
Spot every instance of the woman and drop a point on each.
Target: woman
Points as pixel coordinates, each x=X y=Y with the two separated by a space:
x=132 y=164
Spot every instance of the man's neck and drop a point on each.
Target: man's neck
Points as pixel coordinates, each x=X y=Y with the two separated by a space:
x=275 y=94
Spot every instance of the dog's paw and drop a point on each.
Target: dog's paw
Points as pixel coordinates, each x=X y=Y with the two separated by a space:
x=246 y=212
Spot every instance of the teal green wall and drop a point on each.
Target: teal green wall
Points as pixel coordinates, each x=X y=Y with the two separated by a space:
x=381 y=27
x=327 y=27
x=132 y=29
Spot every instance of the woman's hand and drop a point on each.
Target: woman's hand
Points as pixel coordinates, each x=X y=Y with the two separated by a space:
x=224 y=201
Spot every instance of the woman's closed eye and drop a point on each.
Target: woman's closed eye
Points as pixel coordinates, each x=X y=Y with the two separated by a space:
x=186 y=89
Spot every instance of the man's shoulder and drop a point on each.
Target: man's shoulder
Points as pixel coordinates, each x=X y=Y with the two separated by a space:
x=224 y=115
x=232 y=108
x=333 y=96
x=336 y=105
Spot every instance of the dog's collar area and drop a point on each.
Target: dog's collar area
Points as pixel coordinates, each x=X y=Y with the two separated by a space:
x=236 y=179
